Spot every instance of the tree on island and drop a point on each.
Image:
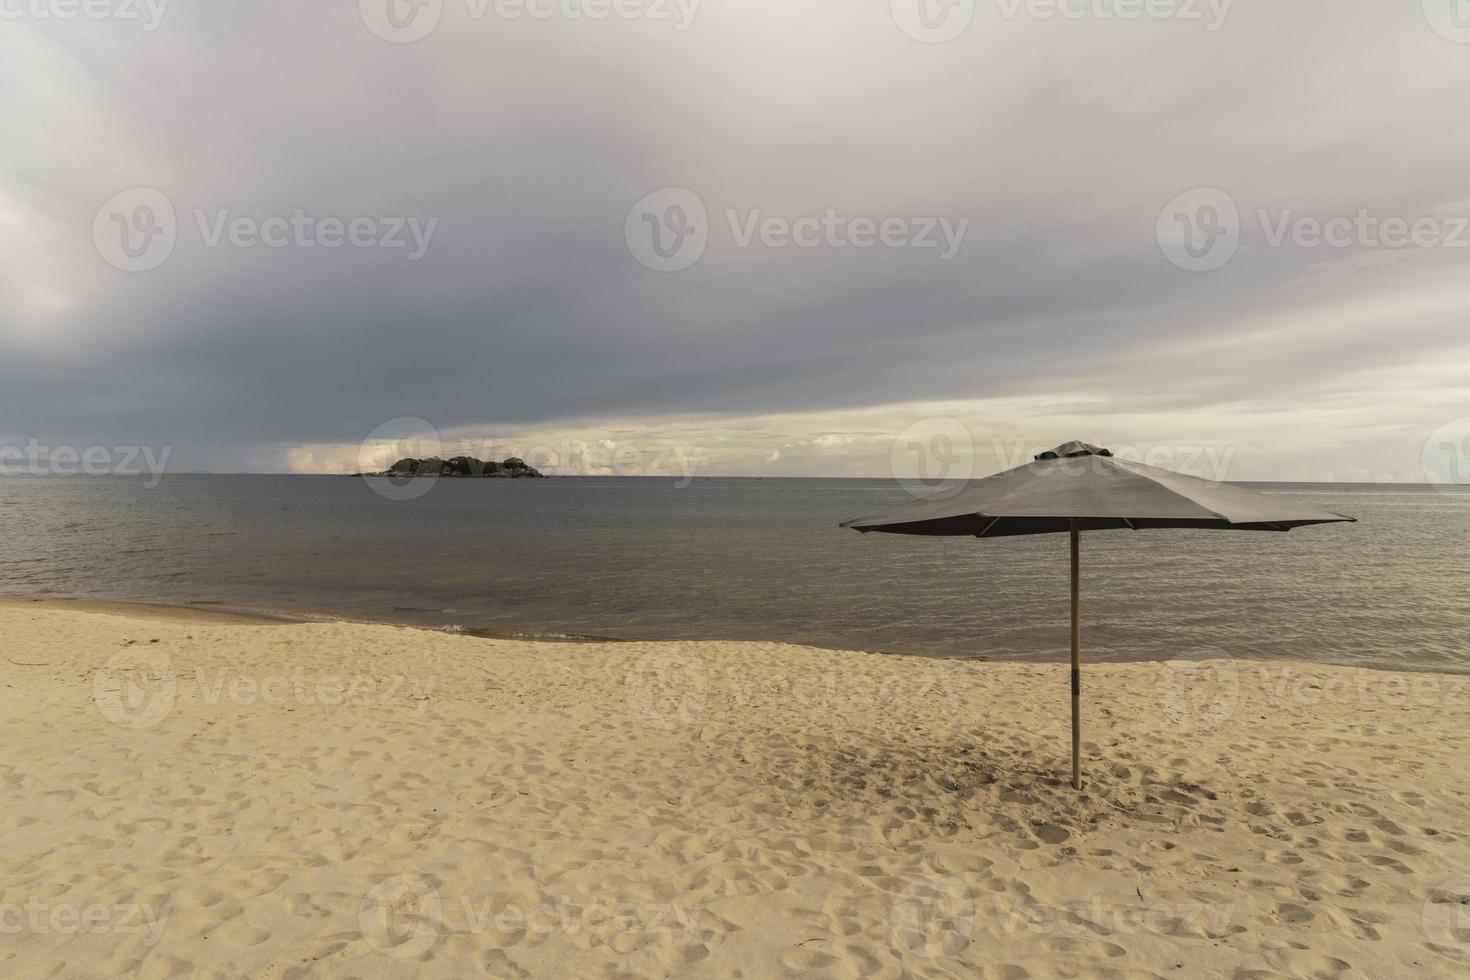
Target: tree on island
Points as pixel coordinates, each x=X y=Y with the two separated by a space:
x=462 y=466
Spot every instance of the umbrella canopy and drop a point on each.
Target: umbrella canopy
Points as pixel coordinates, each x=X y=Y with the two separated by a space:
x=1091 y=484
x=1078 y=487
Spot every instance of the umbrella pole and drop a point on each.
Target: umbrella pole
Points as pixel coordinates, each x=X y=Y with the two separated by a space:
x=1076 y=654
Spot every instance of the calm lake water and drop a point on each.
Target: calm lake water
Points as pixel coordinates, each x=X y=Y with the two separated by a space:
x=752 y=559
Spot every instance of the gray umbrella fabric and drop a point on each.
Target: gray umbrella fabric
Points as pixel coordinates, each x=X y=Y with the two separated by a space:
x=1078 y=487
x=1104 y=492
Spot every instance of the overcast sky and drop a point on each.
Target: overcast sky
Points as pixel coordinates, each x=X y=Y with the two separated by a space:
x=1032 y=227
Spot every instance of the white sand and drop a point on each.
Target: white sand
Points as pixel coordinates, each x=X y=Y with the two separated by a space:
x=347 y=800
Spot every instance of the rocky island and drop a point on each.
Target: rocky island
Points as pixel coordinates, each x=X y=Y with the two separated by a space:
x=513 y=468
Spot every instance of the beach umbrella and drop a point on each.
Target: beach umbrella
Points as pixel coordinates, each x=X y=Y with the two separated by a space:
x=1077 y=487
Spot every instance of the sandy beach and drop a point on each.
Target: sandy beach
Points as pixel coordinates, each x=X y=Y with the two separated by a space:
x=205 y=796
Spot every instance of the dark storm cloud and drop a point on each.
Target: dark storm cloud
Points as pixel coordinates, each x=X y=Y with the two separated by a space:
x=527 y=142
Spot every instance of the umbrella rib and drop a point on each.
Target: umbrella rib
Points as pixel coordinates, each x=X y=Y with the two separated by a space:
x=986 y=529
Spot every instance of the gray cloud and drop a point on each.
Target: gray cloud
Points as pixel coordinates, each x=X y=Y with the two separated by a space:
x=1060 y=141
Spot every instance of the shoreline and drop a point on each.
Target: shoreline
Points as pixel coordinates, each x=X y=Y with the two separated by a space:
x=225 y=612
x=218 y=611
x=203 y=612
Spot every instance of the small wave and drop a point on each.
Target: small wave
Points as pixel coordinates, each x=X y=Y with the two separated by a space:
x=533 y=636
